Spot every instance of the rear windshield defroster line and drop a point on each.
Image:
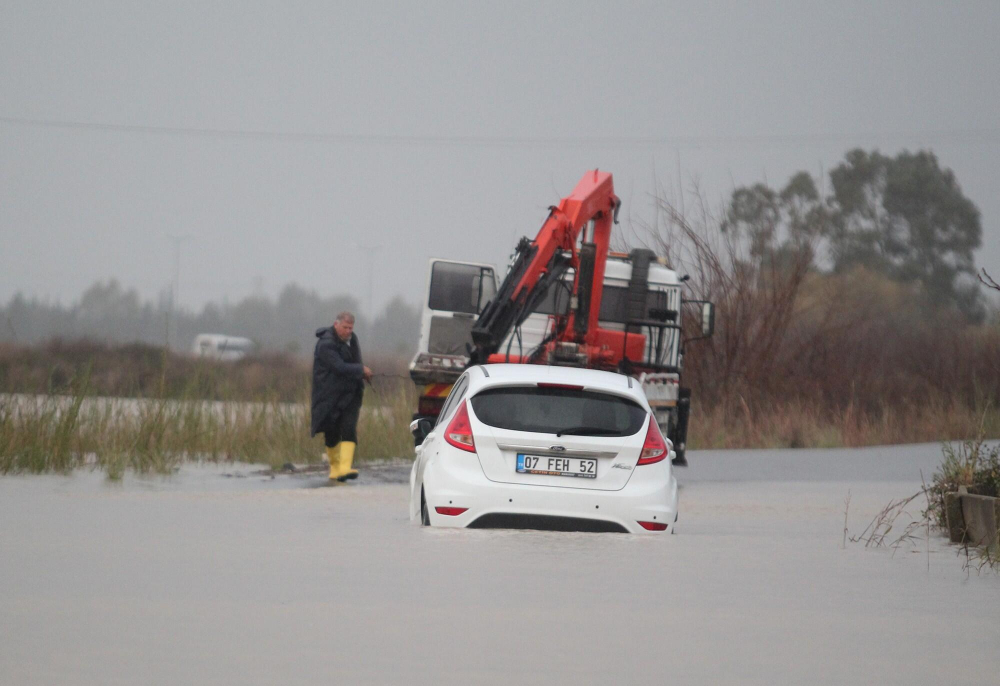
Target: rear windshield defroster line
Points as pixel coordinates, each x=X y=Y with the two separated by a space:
x=551 y=410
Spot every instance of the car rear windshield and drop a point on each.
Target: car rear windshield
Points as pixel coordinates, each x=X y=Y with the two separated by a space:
x=554 y=410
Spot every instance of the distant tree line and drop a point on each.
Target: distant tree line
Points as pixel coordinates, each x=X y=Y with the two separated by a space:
x=108 y=312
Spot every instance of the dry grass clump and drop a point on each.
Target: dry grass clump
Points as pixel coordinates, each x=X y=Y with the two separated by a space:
x=880 y=531
x=987 y=556
x=973 y=463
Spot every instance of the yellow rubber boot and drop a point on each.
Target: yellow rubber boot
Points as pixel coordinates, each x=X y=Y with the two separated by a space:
x=346 y=457
x=334 y=455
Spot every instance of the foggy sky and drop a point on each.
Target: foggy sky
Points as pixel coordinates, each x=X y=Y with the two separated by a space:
x=284 y=137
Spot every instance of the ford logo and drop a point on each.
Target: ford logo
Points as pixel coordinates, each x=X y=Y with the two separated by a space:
x=557 y=449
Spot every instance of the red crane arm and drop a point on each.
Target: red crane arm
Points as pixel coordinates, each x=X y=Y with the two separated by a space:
x=593 y=199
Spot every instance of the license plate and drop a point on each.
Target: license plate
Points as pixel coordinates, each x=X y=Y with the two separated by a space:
x=582 y=467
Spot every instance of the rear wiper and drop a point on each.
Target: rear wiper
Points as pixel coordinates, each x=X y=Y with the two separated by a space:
x=587 y=431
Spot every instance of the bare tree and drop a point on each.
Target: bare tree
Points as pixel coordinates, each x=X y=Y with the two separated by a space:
x=754 y=284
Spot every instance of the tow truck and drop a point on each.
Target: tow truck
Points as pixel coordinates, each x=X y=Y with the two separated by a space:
x=566 y=299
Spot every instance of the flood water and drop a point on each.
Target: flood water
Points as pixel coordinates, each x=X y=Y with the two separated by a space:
x=222 y=575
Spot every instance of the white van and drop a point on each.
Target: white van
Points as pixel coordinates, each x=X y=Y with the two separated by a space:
x=220 y=347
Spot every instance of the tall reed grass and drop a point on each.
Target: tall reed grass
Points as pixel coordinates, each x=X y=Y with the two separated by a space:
x=60 y=433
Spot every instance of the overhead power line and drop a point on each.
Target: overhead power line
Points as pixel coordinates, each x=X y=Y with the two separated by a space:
x=627 y=142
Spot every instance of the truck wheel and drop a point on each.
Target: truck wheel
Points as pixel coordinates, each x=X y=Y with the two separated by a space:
x=418 y=441
x=680 y=459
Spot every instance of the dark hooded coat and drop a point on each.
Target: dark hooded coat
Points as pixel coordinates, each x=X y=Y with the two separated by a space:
x=338 y=377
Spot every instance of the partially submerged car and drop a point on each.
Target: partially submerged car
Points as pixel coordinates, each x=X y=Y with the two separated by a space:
x=544 y=447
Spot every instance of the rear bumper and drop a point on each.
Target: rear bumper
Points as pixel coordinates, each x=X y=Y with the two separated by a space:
x=458 y=481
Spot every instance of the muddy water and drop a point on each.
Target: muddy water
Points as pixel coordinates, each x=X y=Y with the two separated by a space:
x=221 y=575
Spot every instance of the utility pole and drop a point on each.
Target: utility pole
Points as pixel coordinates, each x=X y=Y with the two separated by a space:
x=176 y=287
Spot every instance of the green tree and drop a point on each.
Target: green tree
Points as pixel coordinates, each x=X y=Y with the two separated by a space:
x=907 y=217
x=805 y=213
x=781 y=227
x=754 y=212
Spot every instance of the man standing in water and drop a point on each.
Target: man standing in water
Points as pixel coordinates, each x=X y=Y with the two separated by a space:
x=337 y=390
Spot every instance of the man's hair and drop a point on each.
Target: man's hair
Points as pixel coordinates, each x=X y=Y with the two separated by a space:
x=346 y=317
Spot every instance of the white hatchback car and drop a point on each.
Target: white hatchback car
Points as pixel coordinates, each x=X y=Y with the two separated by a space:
x=544 y=447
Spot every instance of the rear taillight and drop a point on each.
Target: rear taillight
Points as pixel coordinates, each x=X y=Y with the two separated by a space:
x=563 y=386
x=454 y=511
x=655 y=448
x=459 y=431
x=653 y=526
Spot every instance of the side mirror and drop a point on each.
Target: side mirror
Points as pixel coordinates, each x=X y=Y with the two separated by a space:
x=420 y=428
x=707 y=319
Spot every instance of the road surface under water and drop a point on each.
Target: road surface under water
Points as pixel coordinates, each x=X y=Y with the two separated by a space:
x=222 y=575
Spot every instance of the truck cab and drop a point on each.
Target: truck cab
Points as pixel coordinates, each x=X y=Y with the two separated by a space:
x=456 y=293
